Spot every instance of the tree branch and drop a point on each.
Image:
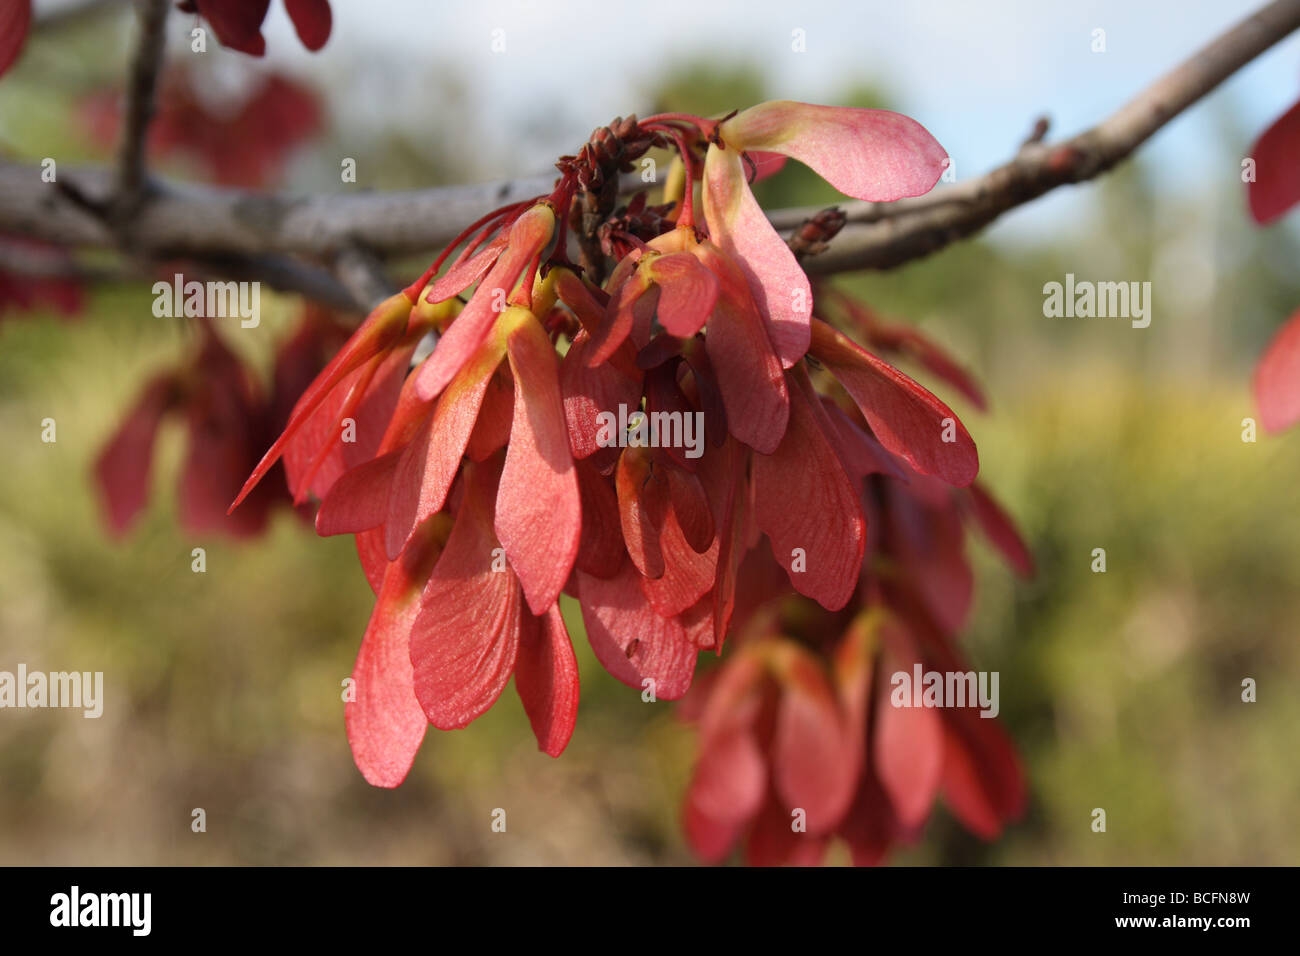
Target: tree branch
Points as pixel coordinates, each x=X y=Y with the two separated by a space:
x=913 y=228
x=362 y=274
x=184 y=220
x=279 y=272
x=285 y=274
x=140 y=94
x=223 y=224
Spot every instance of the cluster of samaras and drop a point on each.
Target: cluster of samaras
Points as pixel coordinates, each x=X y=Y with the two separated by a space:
x=480 y=487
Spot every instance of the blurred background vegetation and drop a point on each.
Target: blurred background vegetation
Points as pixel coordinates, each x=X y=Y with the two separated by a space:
x=1122 y=690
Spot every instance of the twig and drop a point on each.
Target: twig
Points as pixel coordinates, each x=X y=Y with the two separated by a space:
x=362 y=274
x=140 y=94
x=284 y=274
x=917 y=228
x=193 y=220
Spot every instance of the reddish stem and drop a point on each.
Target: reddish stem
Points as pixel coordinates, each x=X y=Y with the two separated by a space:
x=685 y=215
x=631 y=240
x=690 y=119
x=563 y=199
x=524 y=294
x=412 y=291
